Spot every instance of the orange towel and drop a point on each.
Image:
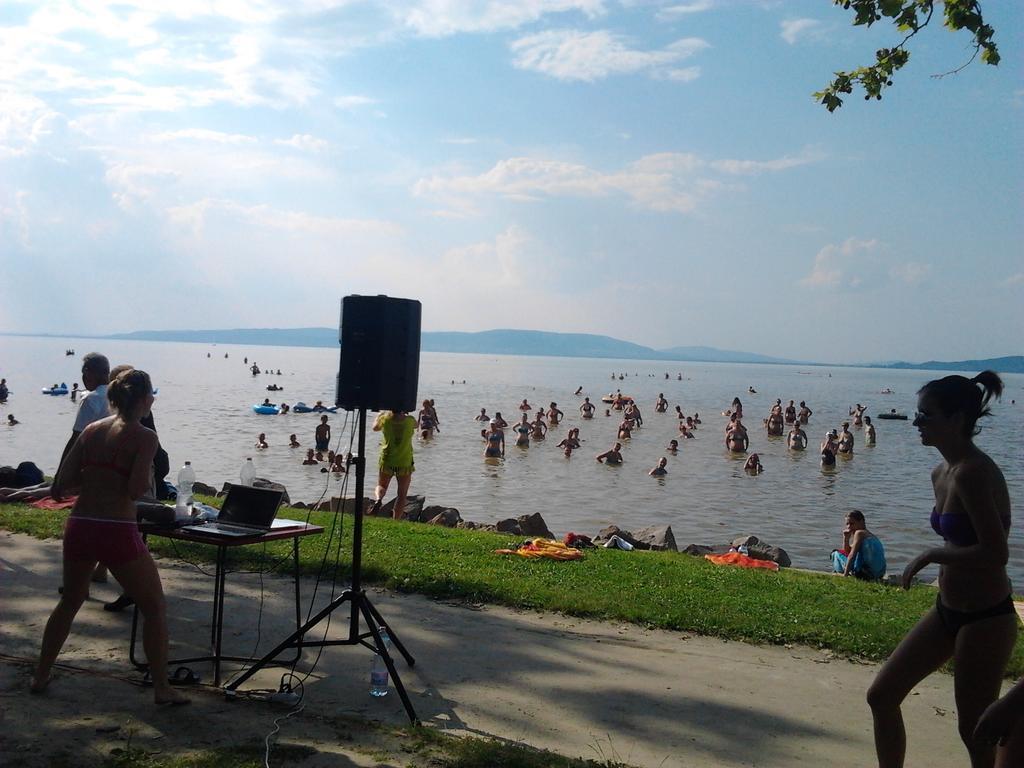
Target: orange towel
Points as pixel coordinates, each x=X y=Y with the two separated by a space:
x=744 y=561
x=554 y=550
x=48 y=502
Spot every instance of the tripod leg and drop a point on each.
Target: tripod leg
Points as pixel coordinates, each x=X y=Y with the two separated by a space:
x=294 y=640
x=394 y=638
x=367 y=612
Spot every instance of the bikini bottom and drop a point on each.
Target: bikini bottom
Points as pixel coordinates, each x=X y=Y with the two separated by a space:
x=954 y=620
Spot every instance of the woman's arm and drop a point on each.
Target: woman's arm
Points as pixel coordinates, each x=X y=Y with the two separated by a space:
x=858 y=539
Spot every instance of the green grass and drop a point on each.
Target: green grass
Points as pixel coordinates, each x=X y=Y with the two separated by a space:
x=413 y=746
x=654 y=589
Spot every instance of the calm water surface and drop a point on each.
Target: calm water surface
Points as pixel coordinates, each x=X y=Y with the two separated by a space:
x=203 y=413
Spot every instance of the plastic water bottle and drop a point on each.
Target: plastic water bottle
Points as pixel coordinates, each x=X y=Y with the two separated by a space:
x=248 y=472
x=379 y=670
x=186 y=479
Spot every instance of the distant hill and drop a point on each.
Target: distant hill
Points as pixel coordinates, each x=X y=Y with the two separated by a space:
x=1012 y=364
x=543 y=343
x=496 y=342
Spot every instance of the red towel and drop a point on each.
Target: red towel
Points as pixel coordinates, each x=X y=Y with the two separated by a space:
x=744 y=561
x=48 y=502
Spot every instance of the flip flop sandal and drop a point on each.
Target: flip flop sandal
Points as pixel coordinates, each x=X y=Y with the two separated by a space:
x=184 y=676
x=118 y=605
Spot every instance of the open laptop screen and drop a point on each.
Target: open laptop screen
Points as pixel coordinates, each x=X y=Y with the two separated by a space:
x=247 y=505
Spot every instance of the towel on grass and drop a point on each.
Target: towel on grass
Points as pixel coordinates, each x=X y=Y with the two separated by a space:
x=48 y=502
x=554 y=550
x=743 y=561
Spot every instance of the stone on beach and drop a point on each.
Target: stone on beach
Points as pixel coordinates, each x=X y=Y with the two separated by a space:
x=413 y=509
x=525 y=525
x=657 y=537
x=449 y=517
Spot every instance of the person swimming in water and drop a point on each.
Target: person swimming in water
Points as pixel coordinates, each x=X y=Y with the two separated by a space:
x=611 y=456
x=797 y=438
x=736 y=437
x=525 y=406
x=261 y=442
x=495 y=442
x=587 y=409
x=293 y=442
x=753 y=465
x=523 y=430
x=790 y=413
x=804 y=414
x=673 y=446
x=482 y=416
x=845 y=445
x=659 y=470
x=579 y=391
x=554 y=415
x=661 y=404
x=869 y=431
x=539 y=429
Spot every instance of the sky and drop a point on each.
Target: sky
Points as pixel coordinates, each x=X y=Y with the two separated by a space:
x=653 y=171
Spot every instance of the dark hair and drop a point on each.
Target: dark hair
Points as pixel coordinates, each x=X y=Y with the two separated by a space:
x=958 y=394
x=128 y=389
x=856 y=514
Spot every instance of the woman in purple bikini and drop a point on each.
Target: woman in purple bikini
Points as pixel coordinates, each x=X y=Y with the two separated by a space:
x=973 y=621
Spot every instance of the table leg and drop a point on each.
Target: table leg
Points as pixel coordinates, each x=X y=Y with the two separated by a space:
x=298 y=597
x=218 y=611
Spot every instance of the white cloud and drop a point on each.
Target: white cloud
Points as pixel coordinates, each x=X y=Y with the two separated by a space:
x=459 y=140
x=25 y=121
x=1012 y=280
x=666 y=181
x=793 y=30
x=673 y=12
x=751 y=167
x=134 y=184
x=204 y=135
x=353 y=101
x=567 y=54
x=438 y=18
x=911 y=272
x=305 y=142
x=840 y=266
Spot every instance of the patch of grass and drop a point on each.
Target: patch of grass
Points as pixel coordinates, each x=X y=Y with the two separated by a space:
x=655 y=589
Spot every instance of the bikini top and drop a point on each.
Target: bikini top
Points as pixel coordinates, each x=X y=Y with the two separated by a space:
x=111 y=464
x=957 y=528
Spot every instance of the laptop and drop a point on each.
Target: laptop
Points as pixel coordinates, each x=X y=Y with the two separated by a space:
x=247 y=511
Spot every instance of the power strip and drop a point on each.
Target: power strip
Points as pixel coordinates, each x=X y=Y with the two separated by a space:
x=288 y=698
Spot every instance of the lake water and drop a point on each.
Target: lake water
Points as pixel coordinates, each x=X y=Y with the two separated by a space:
x=203 y=413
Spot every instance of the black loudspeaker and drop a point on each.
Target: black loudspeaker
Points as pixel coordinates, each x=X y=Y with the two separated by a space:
x=380 y=353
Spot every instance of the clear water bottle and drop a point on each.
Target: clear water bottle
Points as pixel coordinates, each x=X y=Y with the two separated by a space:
x=248 y=472
x=186 y=479
x=379 y=670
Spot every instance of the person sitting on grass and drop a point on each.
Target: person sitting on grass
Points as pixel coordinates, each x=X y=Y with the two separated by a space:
x=862 y=554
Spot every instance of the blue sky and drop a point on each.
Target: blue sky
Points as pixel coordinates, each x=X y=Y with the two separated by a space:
x=654 y=171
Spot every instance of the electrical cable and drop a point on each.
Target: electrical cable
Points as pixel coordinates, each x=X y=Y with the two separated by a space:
x=277 y=728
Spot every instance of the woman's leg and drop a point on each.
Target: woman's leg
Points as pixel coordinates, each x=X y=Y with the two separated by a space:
x=398 y=513
x=1011 y=754
x=74 y=593
x=925 y=648
x=982 y=651
x=141 y=582
x=383 y=481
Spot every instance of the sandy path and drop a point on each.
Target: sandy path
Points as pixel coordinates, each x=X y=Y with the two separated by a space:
x=582 y=688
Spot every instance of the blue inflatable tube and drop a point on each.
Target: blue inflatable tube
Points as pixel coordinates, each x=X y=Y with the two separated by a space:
x=267 y=410
x=57 y=391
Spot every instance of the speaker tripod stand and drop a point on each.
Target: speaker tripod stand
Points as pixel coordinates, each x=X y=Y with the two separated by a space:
x=355 y=596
